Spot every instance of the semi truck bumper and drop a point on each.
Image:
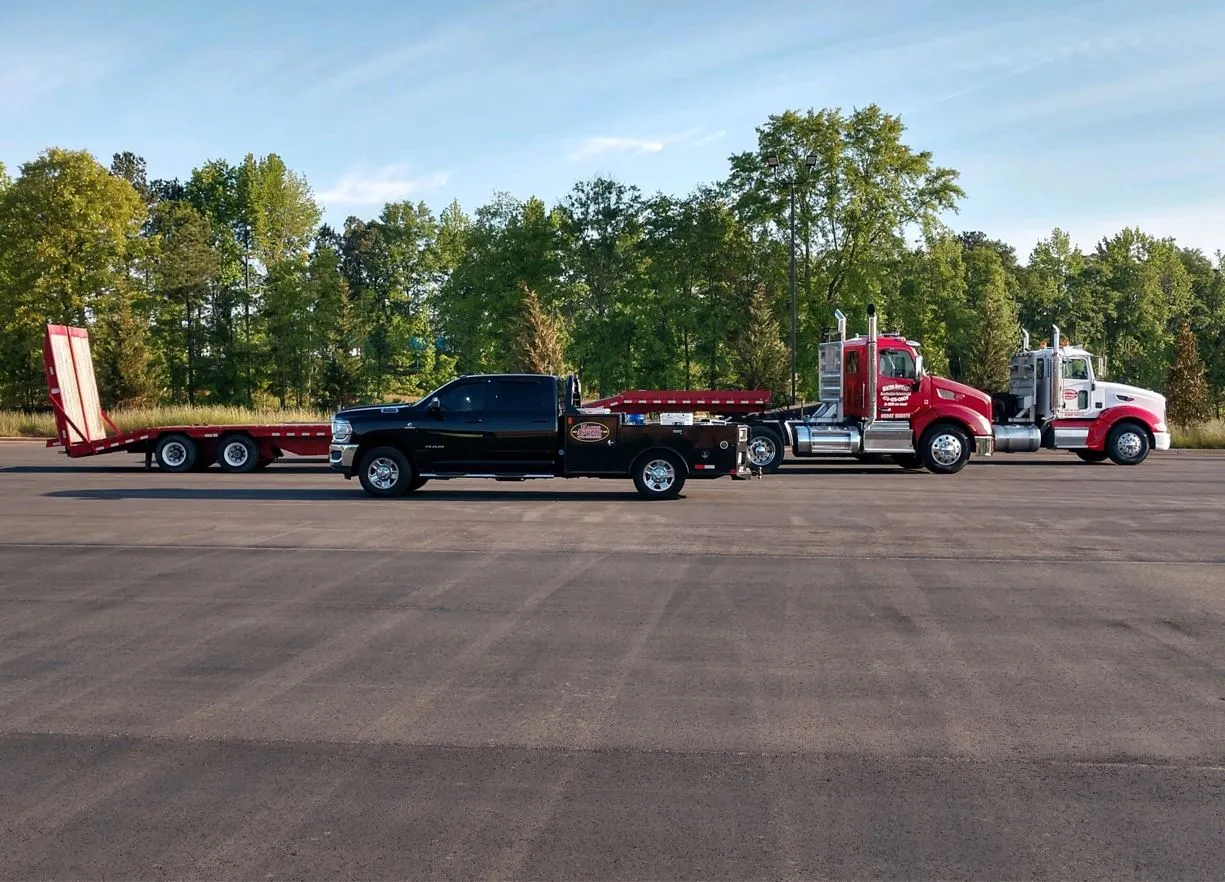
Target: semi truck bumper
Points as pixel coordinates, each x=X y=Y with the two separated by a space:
x=1161 y=440
x=340 y=458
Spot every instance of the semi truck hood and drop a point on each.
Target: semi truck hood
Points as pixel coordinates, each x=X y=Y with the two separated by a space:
x=1119 y=394
x=944 y=389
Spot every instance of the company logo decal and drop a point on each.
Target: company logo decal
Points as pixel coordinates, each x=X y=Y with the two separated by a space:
x=589 y=432
x=1070 y=394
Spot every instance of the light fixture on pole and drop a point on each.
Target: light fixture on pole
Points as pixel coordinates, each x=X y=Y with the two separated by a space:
x=810 y=162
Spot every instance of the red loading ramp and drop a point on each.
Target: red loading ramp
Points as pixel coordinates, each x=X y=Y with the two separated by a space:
x=69 y=367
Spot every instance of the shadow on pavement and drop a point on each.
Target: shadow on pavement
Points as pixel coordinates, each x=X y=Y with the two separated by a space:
x=292 y=494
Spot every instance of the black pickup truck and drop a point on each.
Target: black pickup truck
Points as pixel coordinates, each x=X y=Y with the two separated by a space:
x=514 y=427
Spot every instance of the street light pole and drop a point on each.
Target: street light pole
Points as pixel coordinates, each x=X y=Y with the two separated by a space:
x=794 y=321
x=810 y=162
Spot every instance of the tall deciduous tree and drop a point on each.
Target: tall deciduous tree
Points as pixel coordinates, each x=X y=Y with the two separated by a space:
x=66 y=228
x=866 y=189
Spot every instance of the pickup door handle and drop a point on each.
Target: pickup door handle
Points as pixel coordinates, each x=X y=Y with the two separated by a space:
x=476 y=420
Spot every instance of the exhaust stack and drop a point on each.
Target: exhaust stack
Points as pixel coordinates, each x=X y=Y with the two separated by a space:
x=1024 y=340
x=871 y=366
x=841 y=324
x=1056 y=373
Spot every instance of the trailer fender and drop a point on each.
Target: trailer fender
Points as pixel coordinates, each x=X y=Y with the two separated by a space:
x=1099 y=429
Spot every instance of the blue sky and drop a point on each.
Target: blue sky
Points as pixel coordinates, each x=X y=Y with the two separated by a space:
x=1086 y=115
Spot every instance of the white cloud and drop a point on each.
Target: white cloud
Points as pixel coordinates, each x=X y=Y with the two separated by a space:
x=389 y=183
x=604 y=144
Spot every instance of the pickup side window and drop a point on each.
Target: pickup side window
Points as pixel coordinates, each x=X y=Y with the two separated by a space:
x=464 y=397
x=522 y=396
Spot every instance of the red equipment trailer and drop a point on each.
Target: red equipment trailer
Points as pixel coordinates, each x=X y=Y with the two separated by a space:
x=79 y=417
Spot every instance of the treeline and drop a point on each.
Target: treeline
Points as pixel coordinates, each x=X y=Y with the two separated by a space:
x=225 y=287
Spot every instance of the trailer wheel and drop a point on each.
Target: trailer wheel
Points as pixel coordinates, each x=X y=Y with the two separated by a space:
x=1127 y=444
x=659 y=475
x=1092 y=455
x=386 y=472
x=238 y=453
x=175 y=453
x=944 y=449
x=765 y=449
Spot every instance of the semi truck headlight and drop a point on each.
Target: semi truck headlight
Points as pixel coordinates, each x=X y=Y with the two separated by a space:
x=342 y=431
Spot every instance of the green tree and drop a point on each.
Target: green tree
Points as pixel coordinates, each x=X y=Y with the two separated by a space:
x=123 y=358
x=760 y=359
x=1186 y=386
x=66 y=230
x=540 y=347
x=996 y=331
x=185 y=268
x=866 y=189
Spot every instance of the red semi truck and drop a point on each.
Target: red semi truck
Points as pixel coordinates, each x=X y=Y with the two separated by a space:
x=79 y=422
x=876 y=399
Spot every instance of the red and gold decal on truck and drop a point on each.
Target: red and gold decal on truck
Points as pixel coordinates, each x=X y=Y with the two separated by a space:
x=589 y=432
x=895 y=401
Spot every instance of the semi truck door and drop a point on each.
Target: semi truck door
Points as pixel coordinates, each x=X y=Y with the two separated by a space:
x=1077 y=396
x=895 y=384
x=453 y=437
x=522 y=422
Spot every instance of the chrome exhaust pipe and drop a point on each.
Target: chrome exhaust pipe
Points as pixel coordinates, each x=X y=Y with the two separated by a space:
x=1056 y=373
x=871 y=366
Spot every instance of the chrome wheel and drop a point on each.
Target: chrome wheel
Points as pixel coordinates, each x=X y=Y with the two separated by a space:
x=659 y=475
x=762 y=450
x=946 y=449
x=1129 y=445
x=383 y=473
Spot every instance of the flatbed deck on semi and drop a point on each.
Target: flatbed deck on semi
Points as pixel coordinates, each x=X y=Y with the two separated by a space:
x=81 y=423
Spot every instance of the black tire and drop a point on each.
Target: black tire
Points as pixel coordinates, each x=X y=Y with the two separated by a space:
x=944 y=449
x=1092 y=455
x=238 y=454
x=1128 y=444
x=766 y=450
x=386 y=472
x=659 y=475
x=908 y=460
x=175 y=453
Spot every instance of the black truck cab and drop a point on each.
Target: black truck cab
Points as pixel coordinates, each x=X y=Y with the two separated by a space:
x=524 y=426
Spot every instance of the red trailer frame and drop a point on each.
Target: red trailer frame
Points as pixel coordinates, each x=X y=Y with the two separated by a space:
x=721 y=401
x=79 y=417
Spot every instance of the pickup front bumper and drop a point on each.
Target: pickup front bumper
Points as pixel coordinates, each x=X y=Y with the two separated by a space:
x=340 y=458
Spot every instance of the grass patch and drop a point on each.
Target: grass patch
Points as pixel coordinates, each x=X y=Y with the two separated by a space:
x=15 y=424
x=1205 y=436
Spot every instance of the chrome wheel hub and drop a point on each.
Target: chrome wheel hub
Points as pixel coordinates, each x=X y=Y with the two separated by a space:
x=383 y=473
x=761 y=450
x=659 y=475
x=946 y=450
x=1130 y=445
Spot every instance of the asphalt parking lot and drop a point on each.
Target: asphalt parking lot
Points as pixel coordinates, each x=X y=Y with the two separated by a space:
x=838 y=671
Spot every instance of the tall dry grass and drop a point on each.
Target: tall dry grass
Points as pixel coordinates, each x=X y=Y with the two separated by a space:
x=15 y=424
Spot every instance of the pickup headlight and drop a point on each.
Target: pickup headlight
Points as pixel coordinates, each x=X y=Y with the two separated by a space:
x=342 y=430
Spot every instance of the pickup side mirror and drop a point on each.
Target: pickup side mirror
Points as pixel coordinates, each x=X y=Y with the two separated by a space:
x=434 y=408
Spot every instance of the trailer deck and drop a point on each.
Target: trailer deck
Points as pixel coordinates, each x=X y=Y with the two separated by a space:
x=81 y=422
